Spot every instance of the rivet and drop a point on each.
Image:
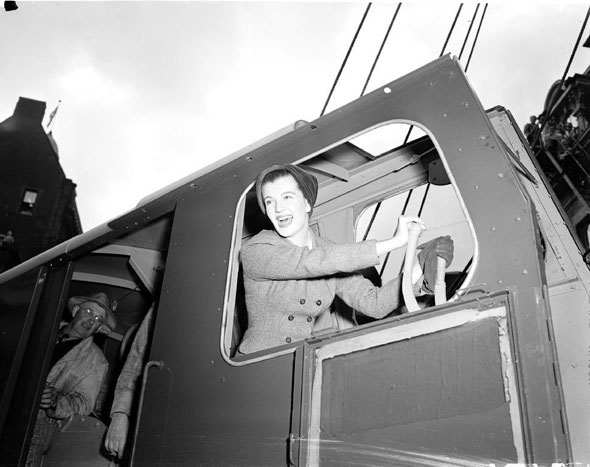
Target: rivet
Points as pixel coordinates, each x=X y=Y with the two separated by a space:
x=517 y=219
x=492 y=229
x=476 y=187
x=482 y=137
x=444 y=115
x=459 y=149
x=386 y=90
x=501 y=175
x=524 y=271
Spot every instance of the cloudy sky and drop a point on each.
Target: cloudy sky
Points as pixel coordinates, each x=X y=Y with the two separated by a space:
x=153 y=91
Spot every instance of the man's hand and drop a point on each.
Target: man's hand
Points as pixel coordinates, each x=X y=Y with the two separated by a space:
x=48 y=398
x=117 y=434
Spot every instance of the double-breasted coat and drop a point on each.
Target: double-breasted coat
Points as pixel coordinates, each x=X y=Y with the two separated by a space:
x=287 y=286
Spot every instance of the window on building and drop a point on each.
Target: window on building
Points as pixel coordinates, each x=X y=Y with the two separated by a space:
x=29 y=201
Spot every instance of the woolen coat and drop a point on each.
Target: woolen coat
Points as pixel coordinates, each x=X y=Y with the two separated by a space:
x=287 y=286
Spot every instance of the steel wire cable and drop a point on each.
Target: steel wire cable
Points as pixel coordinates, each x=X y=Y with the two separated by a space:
x=451 y=30
x=569 y=63
x=350 y=47
x=476 y=37
x=440 y=55
x=468 y=31
x=381 y=49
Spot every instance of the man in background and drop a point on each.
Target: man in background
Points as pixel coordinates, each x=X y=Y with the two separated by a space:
x=77 y=370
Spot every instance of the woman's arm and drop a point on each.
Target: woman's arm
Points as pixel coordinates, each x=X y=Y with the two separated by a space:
x=270 y=258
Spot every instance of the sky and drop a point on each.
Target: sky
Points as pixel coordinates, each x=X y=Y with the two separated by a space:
x=153 y=91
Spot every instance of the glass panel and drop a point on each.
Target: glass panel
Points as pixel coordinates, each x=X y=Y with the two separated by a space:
x=30 y=197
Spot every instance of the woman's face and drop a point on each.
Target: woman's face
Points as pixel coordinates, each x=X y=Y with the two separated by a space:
x=287 y=208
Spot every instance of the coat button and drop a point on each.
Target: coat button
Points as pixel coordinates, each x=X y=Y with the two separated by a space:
x=318 y=302
x=309 y=319
x=302 y=301
x=288 y=340
x=291 y=317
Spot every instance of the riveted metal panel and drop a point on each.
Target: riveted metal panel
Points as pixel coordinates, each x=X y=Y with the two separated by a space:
x=208 y=394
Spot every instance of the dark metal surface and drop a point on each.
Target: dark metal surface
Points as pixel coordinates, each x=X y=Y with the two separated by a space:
x=436 y=98
x=34 y=367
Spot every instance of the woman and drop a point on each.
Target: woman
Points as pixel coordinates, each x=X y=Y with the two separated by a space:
x=291 y=275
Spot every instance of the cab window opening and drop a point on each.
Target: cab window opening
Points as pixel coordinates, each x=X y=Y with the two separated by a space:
x=352 y=182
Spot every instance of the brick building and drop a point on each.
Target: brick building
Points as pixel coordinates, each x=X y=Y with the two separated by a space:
x=37 y=201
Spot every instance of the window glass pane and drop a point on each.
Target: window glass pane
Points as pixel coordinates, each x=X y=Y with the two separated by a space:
x=30 y=197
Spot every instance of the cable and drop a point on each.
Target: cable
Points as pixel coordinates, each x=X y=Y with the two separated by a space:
x=406 y=139
x=451 y=30
x=567 y=68
x=346 y=58
x=371 y=221
x=468 y=31
x=476 y=36
x=381 y=48
x=424 y=198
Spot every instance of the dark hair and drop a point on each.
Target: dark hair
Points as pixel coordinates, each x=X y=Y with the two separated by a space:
x=306 y=182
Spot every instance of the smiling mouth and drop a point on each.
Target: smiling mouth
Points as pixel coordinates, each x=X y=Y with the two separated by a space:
x=284 y=221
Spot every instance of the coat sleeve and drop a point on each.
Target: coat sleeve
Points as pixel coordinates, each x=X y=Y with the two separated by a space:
x=265 y=259
x=81 y=399
x=360 y=294
x=132 y=369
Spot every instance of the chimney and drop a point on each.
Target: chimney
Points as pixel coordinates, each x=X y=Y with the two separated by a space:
x=29 y=108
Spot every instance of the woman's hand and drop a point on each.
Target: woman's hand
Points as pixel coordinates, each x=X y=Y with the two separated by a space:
x=401 y=234
x=404 y=224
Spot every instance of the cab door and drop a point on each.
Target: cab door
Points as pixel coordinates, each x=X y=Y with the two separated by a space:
x=425 y=389
x=31 y=305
